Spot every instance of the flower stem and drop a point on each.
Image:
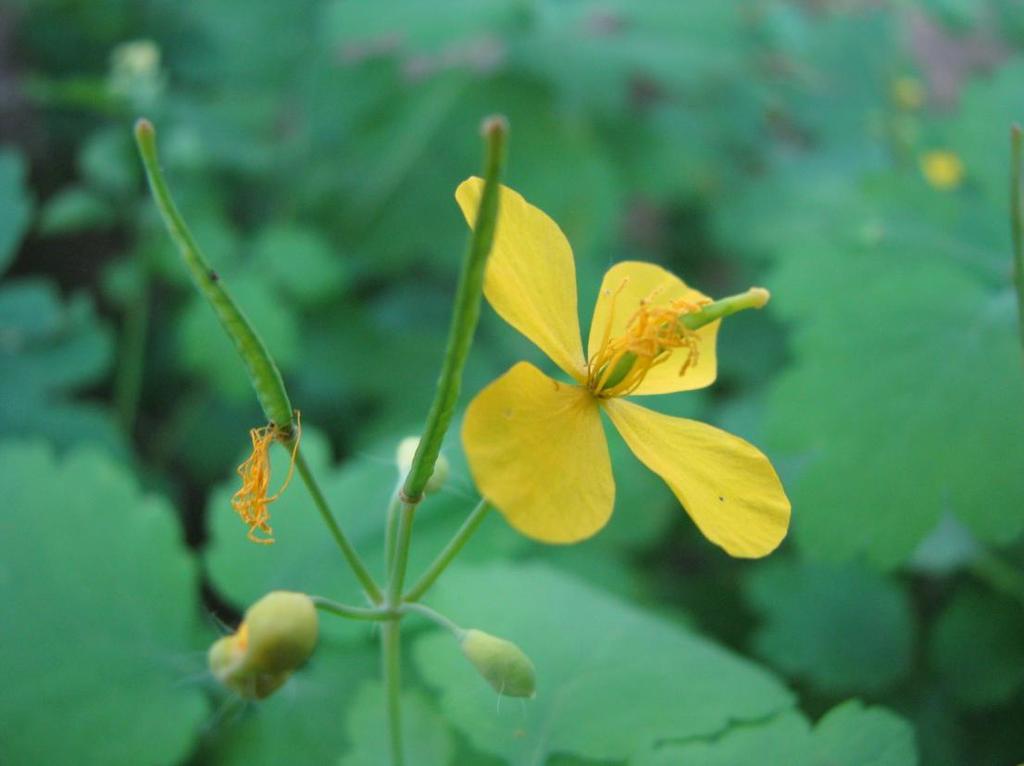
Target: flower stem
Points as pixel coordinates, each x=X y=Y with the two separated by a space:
x=391 y=665
x=464 y=317
x=377 y=614
x=444 y=558
x=347 y=550
x=460 y=336
x=435 y=617
x=263 y=372
x=391 y=531
x=1017 y=222
x=465 y=314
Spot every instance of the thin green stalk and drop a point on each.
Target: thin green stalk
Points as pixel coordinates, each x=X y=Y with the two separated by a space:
x=128 y=383
x=391 y=531
x=347 y=550
x=460 y=336
x=391 y=666
x=403 y=537
x=263 y=373
x=1017 y=222
x=466 y=312
x=465 y=315
x=435 y=617
x=445 y=557
x=352 y=612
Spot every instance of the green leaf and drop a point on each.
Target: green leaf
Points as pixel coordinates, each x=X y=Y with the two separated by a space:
x=99 y=600
x=74 y=209
x=15 y=204
x=977 y=648
x=611 y=679
x=906 y=352
x=841 y=629
x=980 y=131
x=108 y=162
x=848 y=735
x=425 y=734
x=303 y=718
x=48 y=350
x=301 y=262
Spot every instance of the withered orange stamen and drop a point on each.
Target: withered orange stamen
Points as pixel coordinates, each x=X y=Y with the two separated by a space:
x=251 y=501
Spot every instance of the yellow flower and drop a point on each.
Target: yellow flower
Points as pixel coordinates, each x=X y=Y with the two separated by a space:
x=536 y=446
x=942 y=169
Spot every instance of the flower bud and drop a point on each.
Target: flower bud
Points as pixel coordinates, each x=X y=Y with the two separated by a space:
x=404 y=455
x=502 y=664
x=282 y=630
x=276 y=637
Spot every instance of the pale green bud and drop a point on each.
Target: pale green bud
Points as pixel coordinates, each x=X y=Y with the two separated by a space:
x=502 y=664
x=227 y=663
x=282 y=630
x=404 y=455
x=276 y=637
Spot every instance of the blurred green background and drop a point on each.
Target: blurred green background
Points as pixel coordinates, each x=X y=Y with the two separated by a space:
x=850 y=156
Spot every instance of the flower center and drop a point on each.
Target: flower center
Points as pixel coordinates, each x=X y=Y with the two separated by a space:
x=650 y=337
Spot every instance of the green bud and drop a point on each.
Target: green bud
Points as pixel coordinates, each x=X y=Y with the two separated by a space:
x=502 y=664
x=282 y=631
x=404 y=455
x=227 y=663
x=276 y=637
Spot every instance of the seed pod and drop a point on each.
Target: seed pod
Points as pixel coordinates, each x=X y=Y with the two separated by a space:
x=502 y=664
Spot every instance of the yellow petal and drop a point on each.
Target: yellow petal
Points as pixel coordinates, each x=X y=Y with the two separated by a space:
x=727 y=485
x=625 y=285
x=531 y=276
x=537 y=450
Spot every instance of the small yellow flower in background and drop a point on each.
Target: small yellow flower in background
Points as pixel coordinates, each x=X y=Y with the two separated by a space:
x=536 y=447
x=251 y=501
x=942 y=169
x=908 y=93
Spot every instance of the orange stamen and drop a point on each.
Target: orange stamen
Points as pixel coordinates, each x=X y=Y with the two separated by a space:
x=251 y=501
x=650 y=337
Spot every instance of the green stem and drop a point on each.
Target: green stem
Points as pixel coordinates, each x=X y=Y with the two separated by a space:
x=466 y=312
x=265 y=376
x=435 y=617
x=347 y=550
x=1017 y=222
x=128 y=383
x=352 y=612
x=403 y=537
x=391 y=665
x=445 y=557
x=465 y=315
x=391 y=531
